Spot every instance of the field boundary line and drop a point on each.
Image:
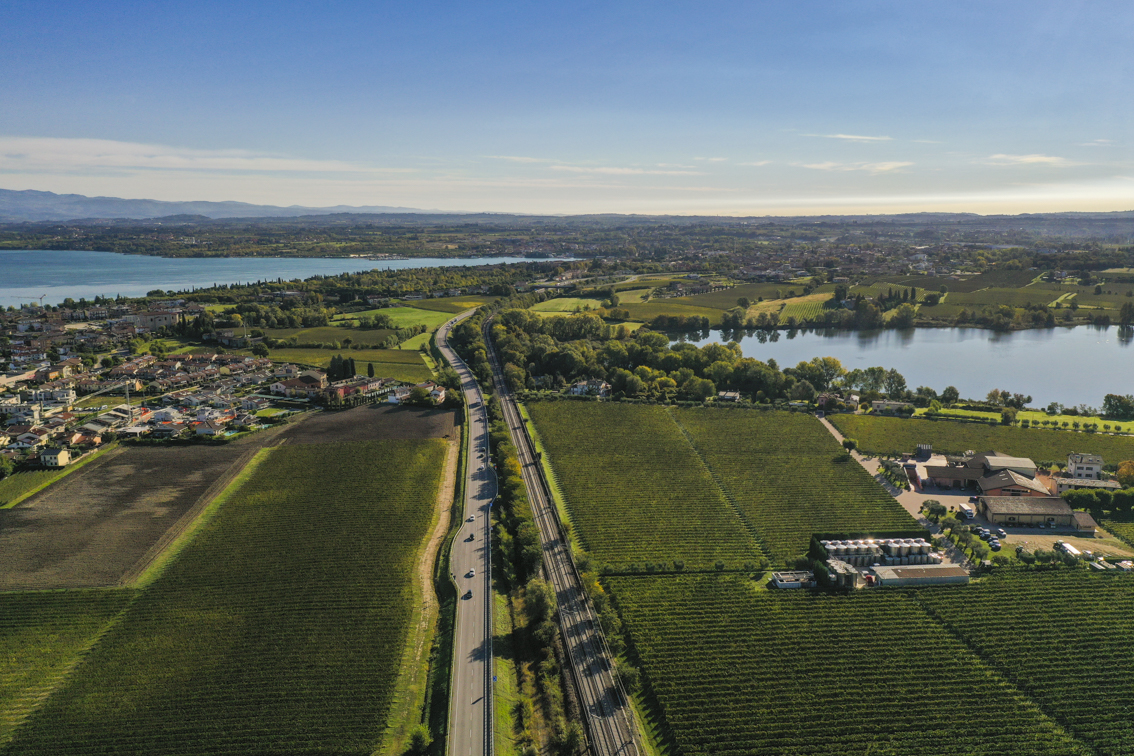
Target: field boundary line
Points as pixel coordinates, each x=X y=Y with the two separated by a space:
x=726 y=492
x=151 y=564
x=411 y=686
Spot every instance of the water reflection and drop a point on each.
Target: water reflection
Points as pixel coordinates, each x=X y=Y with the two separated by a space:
x=1050 y=363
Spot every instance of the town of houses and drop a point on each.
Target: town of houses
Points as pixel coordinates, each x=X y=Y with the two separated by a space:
x=57 y=406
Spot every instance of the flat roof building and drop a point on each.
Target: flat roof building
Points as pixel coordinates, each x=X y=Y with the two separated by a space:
x=1027 y=510
x=921 y=574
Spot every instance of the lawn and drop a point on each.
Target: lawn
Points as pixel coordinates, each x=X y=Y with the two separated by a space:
x=400 y=364
x=279 y=629
x=886 y=435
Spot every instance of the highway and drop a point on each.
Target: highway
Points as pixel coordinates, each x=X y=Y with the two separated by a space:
x=470 y=701
x=609 y=720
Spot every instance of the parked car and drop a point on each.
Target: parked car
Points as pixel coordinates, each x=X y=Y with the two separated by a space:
x=994 y=545
x=1002 y=532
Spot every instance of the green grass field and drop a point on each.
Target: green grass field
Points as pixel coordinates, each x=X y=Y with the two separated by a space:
x=734 y=669
x=400 y=364
x=42 y=634
x=650 y=310
x=402 y=317
x=789 y=478
x=452 y=305
x=883 y=435
x=635 y=490
x=726 y=300
x=562 y=305
x=279 y=629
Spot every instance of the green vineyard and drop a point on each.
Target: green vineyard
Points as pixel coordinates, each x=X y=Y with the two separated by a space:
x=1064 y=638
x=705 y=485
x=41 y=635
x=636 y=492
x=789 y=478
x=279 y=629
x=883 y=435
x=733 y=669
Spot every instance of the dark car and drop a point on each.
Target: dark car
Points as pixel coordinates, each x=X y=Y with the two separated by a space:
x=468 y=594
x=994 y=545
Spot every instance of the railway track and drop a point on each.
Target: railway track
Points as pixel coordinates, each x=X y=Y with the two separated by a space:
x=607 y=714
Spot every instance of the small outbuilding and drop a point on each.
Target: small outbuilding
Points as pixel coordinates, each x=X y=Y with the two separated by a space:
x=793 y=579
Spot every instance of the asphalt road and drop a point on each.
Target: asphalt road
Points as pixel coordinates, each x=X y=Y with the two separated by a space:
x=607 y=716
x=470 y=704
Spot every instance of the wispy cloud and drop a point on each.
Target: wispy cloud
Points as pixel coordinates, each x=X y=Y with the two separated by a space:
x=618 y=171
x=852 y=137
x=882 y=167
x=1002 y=159
x=757 y=163
x=711 y=159
x=519 y=159
x=1097 y=143
x=48 y=154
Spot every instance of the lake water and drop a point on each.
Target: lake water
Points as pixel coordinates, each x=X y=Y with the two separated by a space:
x=1068 y=365
x=29 y=274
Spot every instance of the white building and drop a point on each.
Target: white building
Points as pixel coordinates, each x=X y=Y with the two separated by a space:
x=1087 y=466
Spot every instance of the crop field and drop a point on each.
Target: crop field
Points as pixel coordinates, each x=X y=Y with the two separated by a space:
x=884 y=435
x=879 y=290
x=328 y=334
x=15 y=486
x=1022 y=297
x=562 y=305
x=399 y=364
x=1079 y=668
x=991 y=278
x=92 y=527
x=810 y=307
x=402 y=317
x=726 y=300
x=734 y=669
x=702 y=485
x=373 y=422
x=789 y=478
x=649 y=310
x=453 y=305
x=636 y=491
x=279 y=629
x=41 y=635
x=1122 y=530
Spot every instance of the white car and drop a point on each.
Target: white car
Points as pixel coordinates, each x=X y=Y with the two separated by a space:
x=472 y=572
x=471 y=518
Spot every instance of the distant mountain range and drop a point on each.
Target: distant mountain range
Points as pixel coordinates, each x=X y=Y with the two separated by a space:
x=16 y=206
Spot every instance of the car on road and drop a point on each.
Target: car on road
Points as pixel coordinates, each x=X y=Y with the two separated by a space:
x=468 y=594
x=472 y=536
x=471 y=573
x=471 y=518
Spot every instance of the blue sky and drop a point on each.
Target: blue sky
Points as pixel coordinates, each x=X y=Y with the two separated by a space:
x=691 y=108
